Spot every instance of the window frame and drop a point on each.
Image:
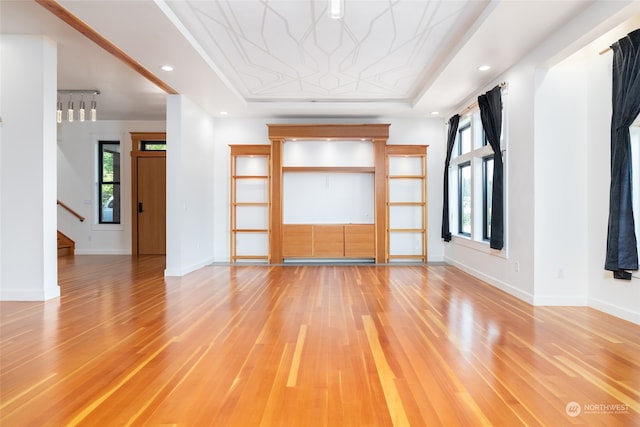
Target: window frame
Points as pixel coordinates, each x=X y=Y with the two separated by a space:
x=480 y=149
x=486 y=203
x=144 y=145
x=101 y=182
x=461 y=167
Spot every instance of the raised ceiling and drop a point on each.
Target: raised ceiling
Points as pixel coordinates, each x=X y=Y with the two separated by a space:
x=292 y=50
x=287 y=58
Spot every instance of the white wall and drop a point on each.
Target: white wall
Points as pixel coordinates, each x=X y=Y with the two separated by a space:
x=28 y=261
x=560 y=163
x=78 y=185
x=557 y=205
x=191 y=187
x=511 y=269
x=255 y=131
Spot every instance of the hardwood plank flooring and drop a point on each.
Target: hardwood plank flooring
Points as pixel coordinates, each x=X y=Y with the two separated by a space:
x=307 y=346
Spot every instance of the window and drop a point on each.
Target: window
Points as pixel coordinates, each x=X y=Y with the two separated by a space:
x=109 y=182
x=464 y=138
x=153 y=146
x=487 y=194
x=464 y=199
x=473 y=157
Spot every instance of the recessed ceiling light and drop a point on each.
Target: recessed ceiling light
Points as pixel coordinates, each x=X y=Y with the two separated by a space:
x=484 y=68
x=435 y=113
x=167 y=68
x=223 y=113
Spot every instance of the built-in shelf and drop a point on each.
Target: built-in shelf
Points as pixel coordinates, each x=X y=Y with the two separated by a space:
x=250 y=203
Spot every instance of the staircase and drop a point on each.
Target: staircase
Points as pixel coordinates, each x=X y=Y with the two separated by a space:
x=66 y=246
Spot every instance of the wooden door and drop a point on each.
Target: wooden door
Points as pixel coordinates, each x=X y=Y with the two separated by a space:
x=150 y=205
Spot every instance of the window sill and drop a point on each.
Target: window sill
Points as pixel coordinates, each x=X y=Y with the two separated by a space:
x=480 y=246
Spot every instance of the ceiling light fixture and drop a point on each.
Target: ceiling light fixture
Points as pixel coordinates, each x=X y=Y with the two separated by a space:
x=336 y=9
x=484 y=68
x=59 y=111
x=435 y=113
x=167 y=68
x=70 y=110
x=93 y=109
x=70 y=105
x=81 y=111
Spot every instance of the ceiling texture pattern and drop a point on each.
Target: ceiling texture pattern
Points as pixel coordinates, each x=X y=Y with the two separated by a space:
x=293 y=50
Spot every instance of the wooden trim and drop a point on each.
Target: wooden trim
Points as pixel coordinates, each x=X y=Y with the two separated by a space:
x=232 y=209
x=138 y=137
x=406 y=176
x=333 y=169
x=71 y=211
x=148 y=154
x=73 y=21
x=250 y=150
x=275 y=244
x=406 y=150
x=324 y=131
x=407 y=203
x=380 y=187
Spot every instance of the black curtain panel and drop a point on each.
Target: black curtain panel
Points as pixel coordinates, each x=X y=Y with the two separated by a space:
x=451 y=140
x=490 y=105
x=622 y=250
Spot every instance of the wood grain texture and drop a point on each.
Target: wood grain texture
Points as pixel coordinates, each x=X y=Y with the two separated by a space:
x=372 y=345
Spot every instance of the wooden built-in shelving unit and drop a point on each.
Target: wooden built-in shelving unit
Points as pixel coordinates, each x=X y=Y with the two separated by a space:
x=250 y=202
x=377 y=241
x=406 y=203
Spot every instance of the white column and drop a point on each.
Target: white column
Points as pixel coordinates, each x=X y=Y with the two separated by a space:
x=28 y=170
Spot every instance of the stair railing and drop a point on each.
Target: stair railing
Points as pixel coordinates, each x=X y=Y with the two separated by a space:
x=71 y=211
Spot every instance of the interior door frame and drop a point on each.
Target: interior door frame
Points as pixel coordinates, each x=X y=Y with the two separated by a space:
x=136 y=139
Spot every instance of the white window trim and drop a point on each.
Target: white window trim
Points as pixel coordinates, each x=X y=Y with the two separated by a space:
x=475 y=157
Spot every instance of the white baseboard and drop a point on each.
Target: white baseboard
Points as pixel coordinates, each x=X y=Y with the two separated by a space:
x=103 y=252
x=183 y=271
x=511 y=290
x=614 y=310
x=566 y=301
x=29 y=295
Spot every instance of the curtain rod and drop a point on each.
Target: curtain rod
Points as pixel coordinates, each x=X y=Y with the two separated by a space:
x=475 y=104
x=602 y=52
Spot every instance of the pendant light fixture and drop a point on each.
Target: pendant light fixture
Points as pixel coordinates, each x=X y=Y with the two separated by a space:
x=59 y=111
x=70 y=110
x=93 y=108
x=82 y=110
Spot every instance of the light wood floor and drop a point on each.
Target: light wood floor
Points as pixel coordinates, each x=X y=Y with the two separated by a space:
x=307 y=346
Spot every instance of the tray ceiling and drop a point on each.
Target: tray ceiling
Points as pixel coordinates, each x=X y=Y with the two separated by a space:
x=292 y=50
